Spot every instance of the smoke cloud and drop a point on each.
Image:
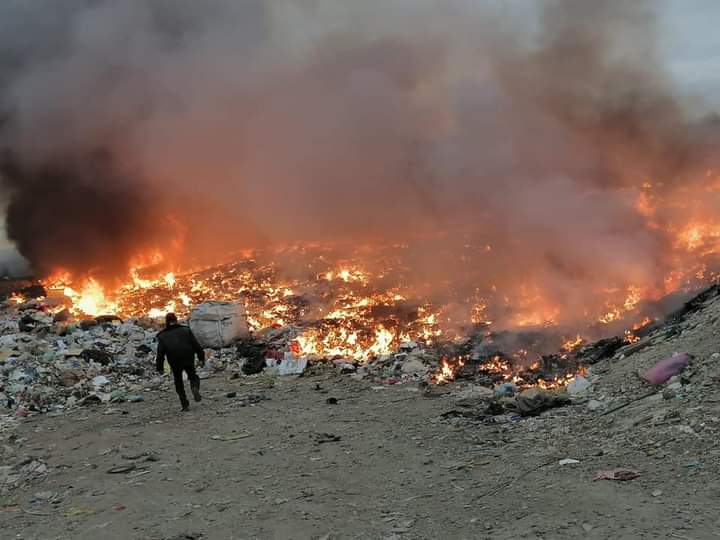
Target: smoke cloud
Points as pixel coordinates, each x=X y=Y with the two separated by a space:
x=258 y=122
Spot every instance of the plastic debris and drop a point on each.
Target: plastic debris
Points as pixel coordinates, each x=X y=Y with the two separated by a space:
x=666 y=369
x=291 y=365
x=232 y=436
x=506 y=389
x=121 y=469
x=578 y=385
x=622 y=475
x=100 y=380
x=322 y=438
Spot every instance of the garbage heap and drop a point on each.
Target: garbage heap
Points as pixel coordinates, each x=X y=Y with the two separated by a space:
x=50 y=363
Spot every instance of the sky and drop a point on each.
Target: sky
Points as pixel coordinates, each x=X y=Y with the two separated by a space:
x=691 y=49
x=692 y=46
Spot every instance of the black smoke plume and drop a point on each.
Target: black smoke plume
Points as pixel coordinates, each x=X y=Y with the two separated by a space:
x=81 y=213
x=532 y=127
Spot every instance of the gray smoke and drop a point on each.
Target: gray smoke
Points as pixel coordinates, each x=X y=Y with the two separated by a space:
x=261 y=122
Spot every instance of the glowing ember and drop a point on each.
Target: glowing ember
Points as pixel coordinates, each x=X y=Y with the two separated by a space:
x=642 y=324
x=558 y=382
x=497 y=365
x=572 y=344
x=630 y=337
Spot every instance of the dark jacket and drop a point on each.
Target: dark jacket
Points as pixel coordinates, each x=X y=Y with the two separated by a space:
x=179 y=345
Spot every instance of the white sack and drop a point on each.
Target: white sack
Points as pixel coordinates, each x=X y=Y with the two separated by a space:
x=218 y=324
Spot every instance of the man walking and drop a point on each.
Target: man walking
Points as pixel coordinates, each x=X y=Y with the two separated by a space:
x=178 y=344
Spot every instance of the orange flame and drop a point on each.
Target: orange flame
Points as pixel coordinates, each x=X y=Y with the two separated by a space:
x=447 y=370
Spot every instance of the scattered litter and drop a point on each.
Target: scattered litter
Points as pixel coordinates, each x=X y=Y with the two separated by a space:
x=506 y=389
x=622 y=475
x=321 y=438
x=10 y=509
x=122 y=469
x=568 y=461
x=535 y=401
x=100 y=380
x=232 y=436
x=578 y=385
x=291 y=365
x=665 y=369
x=81 y=511
x=186 y=536
x=44 y=496
x=144 y=456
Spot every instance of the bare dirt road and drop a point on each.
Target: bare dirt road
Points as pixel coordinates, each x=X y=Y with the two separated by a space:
x=381 y=463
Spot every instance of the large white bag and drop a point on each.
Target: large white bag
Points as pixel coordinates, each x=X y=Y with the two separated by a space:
x=218 y=324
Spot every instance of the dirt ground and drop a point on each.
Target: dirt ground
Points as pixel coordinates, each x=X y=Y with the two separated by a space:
x=229 y=470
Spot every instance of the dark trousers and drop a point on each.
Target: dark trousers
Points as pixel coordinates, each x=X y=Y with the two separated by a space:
x=177 y=371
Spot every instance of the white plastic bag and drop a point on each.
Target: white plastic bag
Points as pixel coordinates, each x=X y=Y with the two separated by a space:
x=289 y=365
x=218 y=324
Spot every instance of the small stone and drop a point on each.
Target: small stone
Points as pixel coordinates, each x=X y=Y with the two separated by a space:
x=587 y=527
x=657 y=493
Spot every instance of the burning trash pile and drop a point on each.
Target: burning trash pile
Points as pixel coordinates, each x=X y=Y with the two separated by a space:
x=52 y=360
x=69 y=342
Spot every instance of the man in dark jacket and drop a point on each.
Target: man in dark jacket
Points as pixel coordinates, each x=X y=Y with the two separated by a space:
x=178 y=344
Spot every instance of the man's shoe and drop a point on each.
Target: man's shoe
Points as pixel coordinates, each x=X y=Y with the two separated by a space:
x=196 y=394
x=185 y=408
